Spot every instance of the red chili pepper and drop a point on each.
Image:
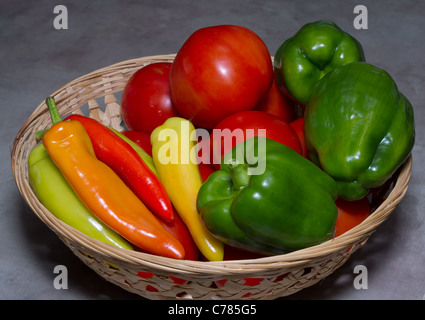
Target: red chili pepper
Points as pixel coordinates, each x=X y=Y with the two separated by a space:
x=128 y=165
x=180 y=231
x=102 y=190
x=177 y=227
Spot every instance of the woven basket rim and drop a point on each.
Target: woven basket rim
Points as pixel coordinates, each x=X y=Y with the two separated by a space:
x=163 y=264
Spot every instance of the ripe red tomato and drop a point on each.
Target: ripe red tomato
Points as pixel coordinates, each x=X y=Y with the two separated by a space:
x=205 y=169
x=146 y=101
x=219 y=71
x=142 y=139
x=240 y=122
x=275 y=103
x=350 y=214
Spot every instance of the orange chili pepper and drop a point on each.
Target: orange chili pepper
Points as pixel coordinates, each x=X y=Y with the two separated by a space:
x=104 y=193
x=120 y=156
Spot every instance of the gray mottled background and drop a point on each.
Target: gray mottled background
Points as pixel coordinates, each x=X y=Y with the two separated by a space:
x=36 y=60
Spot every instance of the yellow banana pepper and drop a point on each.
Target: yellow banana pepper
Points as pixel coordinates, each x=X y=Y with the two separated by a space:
x=174 y=155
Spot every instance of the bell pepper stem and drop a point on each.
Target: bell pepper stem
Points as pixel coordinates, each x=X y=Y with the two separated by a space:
x=240 y=176
x=54 y=115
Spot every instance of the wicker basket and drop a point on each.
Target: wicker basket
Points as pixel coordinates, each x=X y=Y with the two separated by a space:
x=154 y=277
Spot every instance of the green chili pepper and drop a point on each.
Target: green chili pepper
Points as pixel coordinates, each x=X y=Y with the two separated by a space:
x=54 y=192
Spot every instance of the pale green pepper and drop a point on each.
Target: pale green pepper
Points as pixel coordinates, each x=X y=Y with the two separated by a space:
x=55 y=193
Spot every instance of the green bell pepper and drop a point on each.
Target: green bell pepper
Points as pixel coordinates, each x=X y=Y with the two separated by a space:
x=358 y=127
x=317 y=48
x=288 y=206
x=55 y=193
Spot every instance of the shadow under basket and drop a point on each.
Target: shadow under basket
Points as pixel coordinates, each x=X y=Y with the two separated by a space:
x=97 y=95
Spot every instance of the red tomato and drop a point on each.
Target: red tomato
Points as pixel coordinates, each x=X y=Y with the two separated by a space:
x=275 y=103
x=350 y=214
x=219 y=71
x=298 y=126
x=142 y=139
x=206 y=170
x=146 y=101
x=240 y=122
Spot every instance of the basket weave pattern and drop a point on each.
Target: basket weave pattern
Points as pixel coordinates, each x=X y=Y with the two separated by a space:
x=96 y=95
